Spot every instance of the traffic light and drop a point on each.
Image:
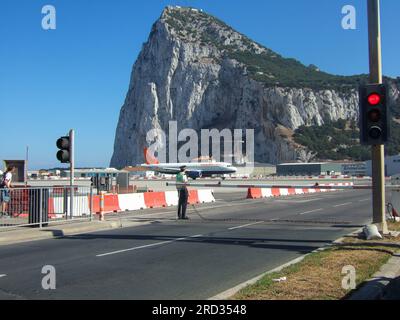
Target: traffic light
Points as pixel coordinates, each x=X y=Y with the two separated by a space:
x=374 y=118
x=64 y=154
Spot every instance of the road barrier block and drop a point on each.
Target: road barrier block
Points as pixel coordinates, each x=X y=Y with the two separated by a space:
x=266 y=193
x=299 y=191
x=205 y=196
x=284 y=191
x=254 y=193
x=276 y=192
x=111 y=203
x=132 y=201
x=193 y=197
x=171 y=198
x=58 y=205
x=155 y=199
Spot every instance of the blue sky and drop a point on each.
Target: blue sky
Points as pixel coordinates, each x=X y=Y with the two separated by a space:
x=77 y=75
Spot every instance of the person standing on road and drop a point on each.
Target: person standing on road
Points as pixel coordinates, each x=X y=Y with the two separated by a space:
x=5 y=186
x=182 y=192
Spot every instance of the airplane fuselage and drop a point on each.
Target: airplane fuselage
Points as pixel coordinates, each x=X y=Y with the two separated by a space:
x=206 y=169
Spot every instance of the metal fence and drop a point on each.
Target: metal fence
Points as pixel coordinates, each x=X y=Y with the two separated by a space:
x=40 y=206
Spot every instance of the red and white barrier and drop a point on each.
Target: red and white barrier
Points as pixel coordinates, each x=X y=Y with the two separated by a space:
x=56 y=206
x=257 y=193
x=171 y=198
x=131 y=201
x=147 y=200
x=205 y=195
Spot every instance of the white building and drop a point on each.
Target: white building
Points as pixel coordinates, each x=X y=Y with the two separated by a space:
x=392 y=166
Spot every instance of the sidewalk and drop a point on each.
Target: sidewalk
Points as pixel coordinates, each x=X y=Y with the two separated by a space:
x=384 y=284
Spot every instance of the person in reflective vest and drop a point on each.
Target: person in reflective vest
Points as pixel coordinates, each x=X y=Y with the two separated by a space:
x=182 y=192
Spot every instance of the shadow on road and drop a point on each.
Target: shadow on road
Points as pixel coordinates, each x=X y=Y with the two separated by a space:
x=302 y=246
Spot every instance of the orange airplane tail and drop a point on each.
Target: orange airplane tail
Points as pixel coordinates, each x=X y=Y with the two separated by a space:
x=149 y=158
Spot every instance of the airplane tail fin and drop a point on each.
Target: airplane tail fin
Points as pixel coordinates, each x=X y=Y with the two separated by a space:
x=149 y=158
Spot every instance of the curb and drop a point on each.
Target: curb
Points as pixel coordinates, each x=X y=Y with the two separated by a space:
x=375 y=288
x=372 y=289
x=225 y=295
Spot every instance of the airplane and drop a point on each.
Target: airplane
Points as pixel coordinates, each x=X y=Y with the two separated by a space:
x=194 y=170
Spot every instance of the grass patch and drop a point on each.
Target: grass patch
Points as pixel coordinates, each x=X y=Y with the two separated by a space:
x=393 y=226
x=319 y=276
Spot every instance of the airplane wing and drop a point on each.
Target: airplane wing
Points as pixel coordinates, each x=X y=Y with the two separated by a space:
x=160 y=169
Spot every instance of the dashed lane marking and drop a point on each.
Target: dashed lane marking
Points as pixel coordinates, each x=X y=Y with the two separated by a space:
x=320 y=209
x=245 y=225
x=342 y=204
x=148 y=245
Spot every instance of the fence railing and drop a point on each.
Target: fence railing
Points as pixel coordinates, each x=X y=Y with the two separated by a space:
x=40 y=206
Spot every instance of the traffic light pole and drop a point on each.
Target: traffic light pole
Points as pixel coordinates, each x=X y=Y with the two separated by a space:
x=72 y=169
x=378 y=156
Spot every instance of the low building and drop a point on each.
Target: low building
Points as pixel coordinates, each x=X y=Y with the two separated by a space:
x=262 y=169
x=392 y=166
x=308 y=169
x=354 y=169
x=89 y=173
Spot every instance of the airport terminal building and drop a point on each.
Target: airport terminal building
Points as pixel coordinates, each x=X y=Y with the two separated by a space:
x=308 y=169
x=392 y=166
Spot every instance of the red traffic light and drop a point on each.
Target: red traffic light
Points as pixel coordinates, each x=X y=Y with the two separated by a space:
x=374 y=99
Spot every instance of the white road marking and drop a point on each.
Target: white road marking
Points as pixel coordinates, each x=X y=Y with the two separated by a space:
x=245 y=225
x=368 y=199
x=2 y=275
x=311 y=211
x=147 y=246
x=297 y=201
x=342 y=204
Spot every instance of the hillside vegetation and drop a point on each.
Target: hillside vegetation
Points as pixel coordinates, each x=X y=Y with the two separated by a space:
x=340 y=140
x=265 y=66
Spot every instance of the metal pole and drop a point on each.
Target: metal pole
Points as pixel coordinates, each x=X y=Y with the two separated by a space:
x=72 y=170
x=40 y=207
x=91 y=202
x=26 y=166
x=101 y=217
x=378 y=155
x=65 y=202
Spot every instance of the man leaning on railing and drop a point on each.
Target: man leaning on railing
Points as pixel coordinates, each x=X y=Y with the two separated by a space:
x=5 y=186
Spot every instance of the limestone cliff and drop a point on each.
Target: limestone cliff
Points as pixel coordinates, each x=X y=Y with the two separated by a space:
x=200 y=72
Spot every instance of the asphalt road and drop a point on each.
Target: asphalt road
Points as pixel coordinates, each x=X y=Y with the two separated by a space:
x=222 y=245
